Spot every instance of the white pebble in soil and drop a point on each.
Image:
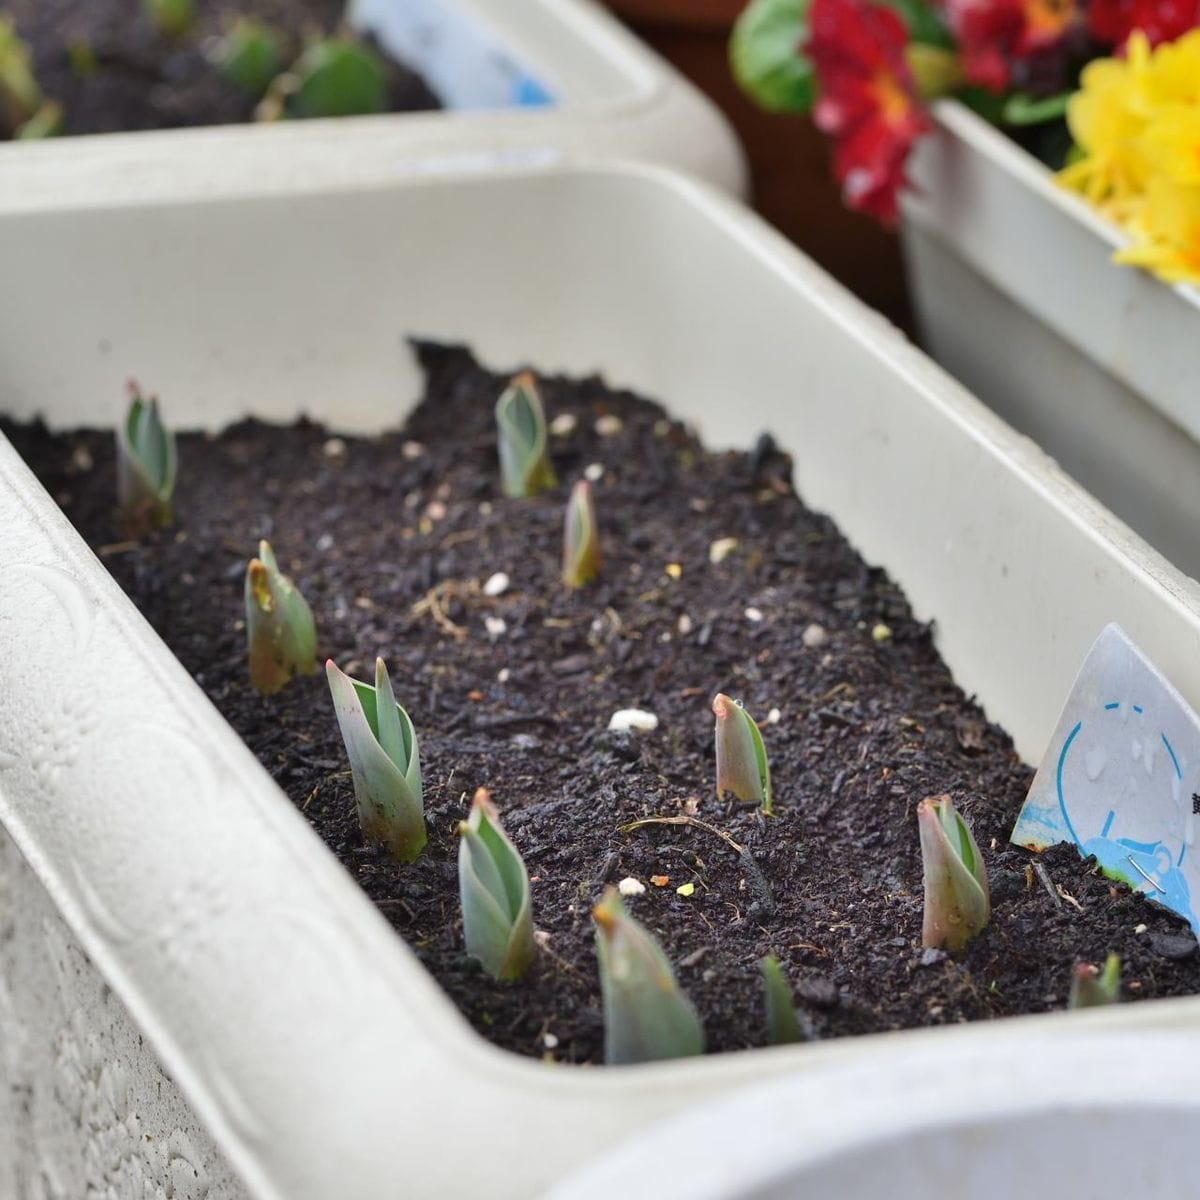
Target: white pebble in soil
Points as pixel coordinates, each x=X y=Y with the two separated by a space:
x=630 y=886
x=813 y=636
x=564 y=424
x=496 y=585
x=633 y=720
x=495 y=626
x=593 y=472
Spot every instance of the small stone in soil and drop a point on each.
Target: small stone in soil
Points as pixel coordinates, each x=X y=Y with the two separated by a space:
x=1171 y=945
x=813 y=636
x=635 y=720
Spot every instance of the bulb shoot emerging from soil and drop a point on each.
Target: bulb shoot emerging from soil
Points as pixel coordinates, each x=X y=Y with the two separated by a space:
x=493 y=886
x=957 y=903
x=742 y=766
x=249 y=54
x=581 y=539
x=525 y=468
x=384 y=761
x=281 y=634
x=1091 y=988
x=146 y=466
x=172 y=18
x=24 y=113
x=782 y=1026
x=646 y=1014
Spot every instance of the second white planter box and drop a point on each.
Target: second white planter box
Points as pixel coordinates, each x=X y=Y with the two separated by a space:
x=1017 y=296
x=521 y=80
x=318 y=1059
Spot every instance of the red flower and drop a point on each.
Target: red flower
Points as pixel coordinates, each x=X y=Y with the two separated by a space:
x=993 y=36
x=867 y=100
x=1112 y=21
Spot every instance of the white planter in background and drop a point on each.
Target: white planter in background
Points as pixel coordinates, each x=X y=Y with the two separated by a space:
x=320 y=1058
x=1016 y=296
x=534 y=81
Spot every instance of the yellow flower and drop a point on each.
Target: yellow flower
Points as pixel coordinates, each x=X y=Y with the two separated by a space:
x=1136 y=125
x=1172 y=143
x=1170 y=75
x=1167 y=232
x=1106 y=120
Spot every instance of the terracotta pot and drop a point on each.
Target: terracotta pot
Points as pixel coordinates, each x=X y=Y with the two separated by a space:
x=789 y=160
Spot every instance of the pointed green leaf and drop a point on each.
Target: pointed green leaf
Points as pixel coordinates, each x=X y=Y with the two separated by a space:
x=390 y=808
x=957 y=904
x=146 y=465
x=249 y=55
x=742 y=766
x=172 y=18
x=20 y=95
x=494 y=891
x=646 y=1014
x=581 y=538
x=521 y=436
x=782 y=1026
x=280 y=632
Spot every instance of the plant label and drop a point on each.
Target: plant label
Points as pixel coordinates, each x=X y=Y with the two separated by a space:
x=1121 y=777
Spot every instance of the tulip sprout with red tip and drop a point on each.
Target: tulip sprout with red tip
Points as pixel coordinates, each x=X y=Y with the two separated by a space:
x=957 y=903
x=742 y=766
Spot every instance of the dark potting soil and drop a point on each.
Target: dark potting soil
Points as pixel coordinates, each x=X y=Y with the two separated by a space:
x=144 y=80
x=392 y=541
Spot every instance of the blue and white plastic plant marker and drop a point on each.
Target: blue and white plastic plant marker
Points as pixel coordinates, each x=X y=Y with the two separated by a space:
x=1121 y=777
x=460 y=54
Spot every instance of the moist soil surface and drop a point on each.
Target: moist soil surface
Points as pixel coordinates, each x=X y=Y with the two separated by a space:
x=392 y=540
x=145 y=80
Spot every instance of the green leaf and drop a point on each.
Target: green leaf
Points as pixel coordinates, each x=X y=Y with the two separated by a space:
x=1021 y=109
x=646 y=1014
x=389 y=795
x=20 y=95
x=923 y=23
x=782 y=1026
x=146 y=466
x=338 y=77
x=280 y=632
x=957 y=904
x=525 y=466
x=766 y=54
x=742 y=766
x=1092 y=990
x=172 y=18
x=47 y=122
x=249 y=55
x=581 y=539
x=495 y=895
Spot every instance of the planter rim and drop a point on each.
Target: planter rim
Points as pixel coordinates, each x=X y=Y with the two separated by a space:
x=619 y=100
x=736 y=1147
x=986 y=139
x=376 y=973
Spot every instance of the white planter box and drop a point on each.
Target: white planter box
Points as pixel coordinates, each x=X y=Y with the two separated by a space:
x=1016 y=296
x=321 y=1059
x=609 y=96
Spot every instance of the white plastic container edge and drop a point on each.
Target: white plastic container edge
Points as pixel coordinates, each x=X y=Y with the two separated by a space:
x=316 y=1052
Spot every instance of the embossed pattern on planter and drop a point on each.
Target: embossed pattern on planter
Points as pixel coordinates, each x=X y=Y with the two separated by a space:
x=85 y=1109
